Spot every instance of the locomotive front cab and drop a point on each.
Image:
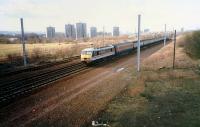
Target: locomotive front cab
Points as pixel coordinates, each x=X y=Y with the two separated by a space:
x=86 y=55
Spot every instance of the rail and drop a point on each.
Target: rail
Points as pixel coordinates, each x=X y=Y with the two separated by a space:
x=12 y=89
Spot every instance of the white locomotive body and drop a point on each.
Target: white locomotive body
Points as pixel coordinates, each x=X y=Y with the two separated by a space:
x=93 y=54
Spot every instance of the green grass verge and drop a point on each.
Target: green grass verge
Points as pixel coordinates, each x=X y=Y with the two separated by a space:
x=169 y=102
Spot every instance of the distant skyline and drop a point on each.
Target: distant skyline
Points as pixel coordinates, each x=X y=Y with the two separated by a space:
x=39 y=14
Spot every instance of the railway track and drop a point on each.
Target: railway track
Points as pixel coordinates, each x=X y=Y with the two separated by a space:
x=31 y=79
x=28 y=81
x=10 y=72
x=11 y=89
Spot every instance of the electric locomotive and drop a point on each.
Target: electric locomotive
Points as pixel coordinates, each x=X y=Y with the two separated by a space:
x=90 y=55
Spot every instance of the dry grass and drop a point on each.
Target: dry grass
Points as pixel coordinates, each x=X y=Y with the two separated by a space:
x=39 y=55
x=6 y=49
x=11 y=54
x=164 y=58
x=46 y=48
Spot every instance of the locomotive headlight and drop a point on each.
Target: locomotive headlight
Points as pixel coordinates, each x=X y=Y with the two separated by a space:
x=86 y=56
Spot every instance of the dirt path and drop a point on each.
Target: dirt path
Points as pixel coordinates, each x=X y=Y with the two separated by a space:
x=73 y=101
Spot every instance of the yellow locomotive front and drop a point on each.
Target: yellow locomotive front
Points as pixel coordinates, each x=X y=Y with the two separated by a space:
x=86 y=55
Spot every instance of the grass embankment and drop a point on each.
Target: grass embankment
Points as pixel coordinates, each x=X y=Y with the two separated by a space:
x=160 y=96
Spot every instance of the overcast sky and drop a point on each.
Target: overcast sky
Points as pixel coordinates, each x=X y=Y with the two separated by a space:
x=38 y=14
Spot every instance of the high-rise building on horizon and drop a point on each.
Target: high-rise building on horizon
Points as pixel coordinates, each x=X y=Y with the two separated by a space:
x=103 y=33
x=146 y=30
x=116 y=31
x=70 y=31
x=182 y=29
x=51 y=32
x=93 y=32
x=81 y=30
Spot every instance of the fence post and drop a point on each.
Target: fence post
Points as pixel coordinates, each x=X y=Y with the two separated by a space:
x=174 y=49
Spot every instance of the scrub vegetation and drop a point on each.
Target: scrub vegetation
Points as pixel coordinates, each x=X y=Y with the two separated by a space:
x=40 y=53
x=192 y=44
x=160 y=96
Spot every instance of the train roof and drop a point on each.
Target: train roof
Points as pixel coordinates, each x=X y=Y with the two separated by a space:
x=123 y=42
x=98 y=49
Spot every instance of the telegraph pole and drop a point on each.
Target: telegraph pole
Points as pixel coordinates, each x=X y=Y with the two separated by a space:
x=165 y=35
x=138 y=44
x=23 y=42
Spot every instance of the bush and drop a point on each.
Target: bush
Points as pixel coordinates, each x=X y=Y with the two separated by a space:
x=36 y=53
x=15 y=59
x=4 y=40
x=60 y=53
x=192 y=44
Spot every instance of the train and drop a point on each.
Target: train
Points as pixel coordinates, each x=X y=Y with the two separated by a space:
x=91 y=55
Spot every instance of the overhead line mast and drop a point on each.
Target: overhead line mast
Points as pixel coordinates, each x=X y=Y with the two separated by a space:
x=138 y=44
x=23 y=42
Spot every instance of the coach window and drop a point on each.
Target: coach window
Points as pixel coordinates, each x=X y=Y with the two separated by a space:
x=98 y=53
x=101 y=52
x=94 y=53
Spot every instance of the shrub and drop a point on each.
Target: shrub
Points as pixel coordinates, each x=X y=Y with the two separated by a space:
x=192 y=44
x=61 y=53
x=36 y=53
x=4 y=40
x=15 y=59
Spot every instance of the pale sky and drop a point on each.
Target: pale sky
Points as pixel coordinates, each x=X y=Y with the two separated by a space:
x=38 y=14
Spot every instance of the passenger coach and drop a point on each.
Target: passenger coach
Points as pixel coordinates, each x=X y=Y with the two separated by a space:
x=123 y=47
